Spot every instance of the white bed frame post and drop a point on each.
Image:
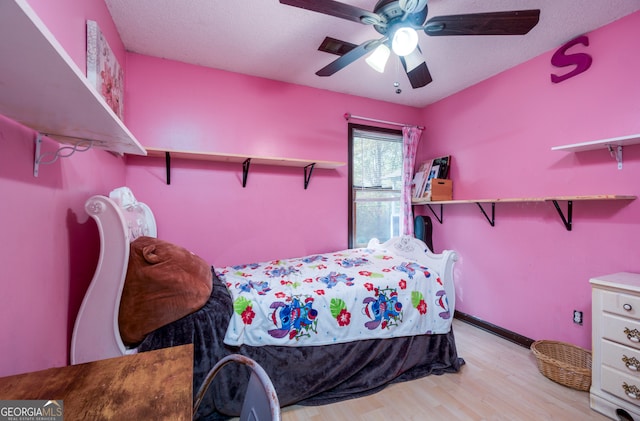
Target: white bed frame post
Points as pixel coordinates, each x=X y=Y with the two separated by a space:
x=91 y=342
x=96 y=334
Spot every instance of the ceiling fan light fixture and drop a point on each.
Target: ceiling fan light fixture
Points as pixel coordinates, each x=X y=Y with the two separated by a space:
x=378 y=59
x=405 y=40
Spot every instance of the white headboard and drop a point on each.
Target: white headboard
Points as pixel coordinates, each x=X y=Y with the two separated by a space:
x=120 y=219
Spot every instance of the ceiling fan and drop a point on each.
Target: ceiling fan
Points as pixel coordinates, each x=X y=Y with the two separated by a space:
x=398 y=22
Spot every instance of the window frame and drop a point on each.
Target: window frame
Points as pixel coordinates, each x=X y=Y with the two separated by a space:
x=352 y=128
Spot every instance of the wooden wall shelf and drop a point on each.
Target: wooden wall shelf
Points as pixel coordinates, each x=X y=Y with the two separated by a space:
x=42 y=87
x=245 y=160
x=567 y=220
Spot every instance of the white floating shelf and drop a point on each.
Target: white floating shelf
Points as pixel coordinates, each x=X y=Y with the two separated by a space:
x=633 y=139
x=42 y=88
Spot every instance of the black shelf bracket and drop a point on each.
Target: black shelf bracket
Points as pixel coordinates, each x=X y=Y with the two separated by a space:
x=567 y=221
x=167 y=163
x=245 y=171
x=439 y=218
x=307 y=174
x=491 y=220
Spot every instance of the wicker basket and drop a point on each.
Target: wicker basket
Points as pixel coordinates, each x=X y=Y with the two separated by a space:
x=564 y=363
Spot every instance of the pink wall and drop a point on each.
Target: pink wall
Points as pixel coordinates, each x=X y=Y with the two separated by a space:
x=527 y=274
x=498 y=132
x=180 y=106
x=48 y=245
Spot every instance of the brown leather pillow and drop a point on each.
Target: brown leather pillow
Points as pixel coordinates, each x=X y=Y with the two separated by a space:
x=164 y=283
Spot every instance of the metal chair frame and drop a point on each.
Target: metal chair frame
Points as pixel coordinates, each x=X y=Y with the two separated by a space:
x=260 y=402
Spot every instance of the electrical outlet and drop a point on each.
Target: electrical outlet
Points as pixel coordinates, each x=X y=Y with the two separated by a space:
x=577 y=317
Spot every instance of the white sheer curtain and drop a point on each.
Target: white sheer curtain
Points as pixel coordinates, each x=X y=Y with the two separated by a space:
x=410 y=139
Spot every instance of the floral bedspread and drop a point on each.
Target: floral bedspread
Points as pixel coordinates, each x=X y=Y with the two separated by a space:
x=333 y=298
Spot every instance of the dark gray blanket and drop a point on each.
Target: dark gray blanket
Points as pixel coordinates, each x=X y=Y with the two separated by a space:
x=314 y=375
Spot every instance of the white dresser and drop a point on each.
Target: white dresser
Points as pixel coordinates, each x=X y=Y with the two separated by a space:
x=615 y=384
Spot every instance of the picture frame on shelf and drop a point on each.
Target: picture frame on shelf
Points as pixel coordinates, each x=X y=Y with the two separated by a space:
x=433 y=173
x=443 y=163
x=103 y=70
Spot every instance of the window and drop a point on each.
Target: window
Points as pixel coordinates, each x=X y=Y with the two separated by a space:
x=375 y=177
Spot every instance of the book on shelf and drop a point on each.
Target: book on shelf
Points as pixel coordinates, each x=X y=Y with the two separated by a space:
x=420 y=179
x=416 y=184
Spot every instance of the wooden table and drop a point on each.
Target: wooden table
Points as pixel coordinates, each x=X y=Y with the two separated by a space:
x=150 y=385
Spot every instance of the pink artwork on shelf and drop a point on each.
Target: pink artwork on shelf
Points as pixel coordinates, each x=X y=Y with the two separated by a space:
x=103 y=70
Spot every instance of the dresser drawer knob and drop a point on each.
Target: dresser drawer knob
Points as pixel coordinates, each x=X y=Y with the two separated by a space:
x=627 y=307
x=631 y=363
x=632 y=335
x=631 y=391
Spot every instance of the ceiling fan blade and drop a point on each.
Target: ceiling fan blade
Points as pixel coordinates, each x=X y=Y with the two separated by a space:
x=337 y=9
x=336 y=46
x=348 y=58
x=416 y=69
x=516 y=22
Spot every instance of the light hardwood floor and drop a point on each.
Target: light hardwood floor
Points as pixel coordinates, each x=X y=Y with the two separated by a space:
x=500 y=381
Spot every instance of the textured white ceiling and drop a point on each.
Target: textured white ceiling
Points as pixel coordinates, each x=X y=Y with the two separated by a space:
x=267 y=39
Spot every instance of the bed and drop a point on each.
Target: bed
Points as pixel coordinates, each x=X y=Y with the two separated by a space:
x=277 y=313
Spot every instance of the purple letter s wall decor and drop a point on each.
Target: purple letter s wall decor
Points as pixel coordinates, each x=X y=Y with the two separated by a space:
x=582 y=61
